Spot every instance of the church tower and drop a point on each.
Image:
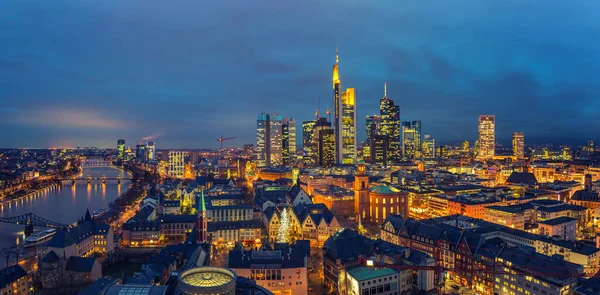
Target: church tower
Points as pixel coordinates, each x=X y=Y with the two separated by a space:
x=361 y=192
x=201 y=222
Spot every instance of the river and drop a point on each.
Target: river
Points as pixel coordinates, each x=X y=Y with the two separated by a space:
x=63 y=204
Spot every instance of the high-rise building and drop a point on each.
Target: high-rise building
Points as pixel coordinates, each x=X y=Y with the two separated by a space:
x=292 y=138
x=411 y=139
x=379 y=149
x=285 y=143
x=373 y=123
x=150 y=147
x=311 y=137
x=140 y=152
x=308 y=128
x=337 y=102
x=428 y=146
x=349 y=126
x=176 y=164
x=289 y=141
x=390 y=125
x=518 y=145
x=591 y=148
x=269 y=140
x=487 y=137
x=121 y=148
x=326 y=147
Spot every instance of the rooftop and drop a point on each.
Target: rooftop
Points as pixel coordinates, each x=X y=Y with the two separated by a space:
x=559 y=220
x=363 y=273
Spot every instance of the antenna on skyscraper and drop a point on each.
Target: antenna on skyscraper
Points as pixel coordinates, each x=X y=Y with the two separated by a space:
x=384 y=89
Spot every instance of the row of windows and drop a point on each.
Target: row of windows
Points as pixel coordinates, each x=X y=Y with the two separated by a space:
x=377 y=290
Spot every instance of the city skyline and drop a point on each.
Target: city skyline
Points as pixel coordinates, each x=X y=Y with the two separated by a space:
x=165 y=76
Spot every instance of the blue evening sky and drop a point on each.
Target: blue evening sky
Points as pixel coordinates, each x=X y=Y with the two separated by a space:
x=87 y=72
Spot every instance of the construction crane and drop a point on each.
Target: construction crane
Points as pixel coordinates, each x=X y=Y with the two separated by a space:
x=221 y=139
x=318 y=106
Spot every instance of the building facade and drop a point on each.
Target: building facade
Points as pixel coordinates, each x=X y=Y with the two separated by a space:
x=269 y=140
x=176 y=164
x=487 y=137
x=518 y=145
x=411 y=139
x=390 y=125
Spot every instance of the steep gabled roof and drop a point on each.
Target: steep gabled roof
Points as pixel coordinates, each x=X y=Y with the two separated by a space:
x=523 y=178
x=61 y=239
x=80 y=264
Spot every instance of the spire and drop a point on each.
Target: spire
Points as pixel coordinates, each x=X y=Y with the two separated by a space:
x=336 y=76
x=201 y=206
x=384 y=89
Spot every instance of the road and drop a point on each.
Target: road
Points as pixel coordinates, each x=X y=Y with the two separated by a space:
x=314 y=284
x=461 y=291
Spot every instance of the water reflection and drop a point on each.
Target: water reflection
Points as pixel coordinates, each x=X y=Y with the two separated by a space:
x=62 y=205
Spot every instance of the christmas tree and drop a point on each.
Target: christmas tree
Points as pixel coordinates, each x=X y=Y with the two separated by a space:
x=283 y=233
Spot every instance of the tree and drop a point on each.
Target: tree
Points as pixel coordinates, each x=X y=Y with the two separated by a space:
x=283 y=233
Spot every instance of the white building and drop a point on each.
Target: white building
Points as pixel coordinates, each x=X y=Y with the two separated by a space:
x=176 y=164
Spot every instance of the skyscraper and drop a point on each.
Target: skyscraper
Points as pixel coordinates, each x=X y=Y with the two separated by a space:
x=292 y=138
x=390 y=125
x=428 y=146
x=285 y=143
x=140 y=152
x=411 y=139
x=337 y=101
x=176 y=164
x=379 y=149
x=518 y=145
x=311 y=137
x=373 y=123
x=487 y=137
x=349 y=126
x=121 y=148
x=307 y=132
x=150 y=147
x=269 y=139
x=326 y=147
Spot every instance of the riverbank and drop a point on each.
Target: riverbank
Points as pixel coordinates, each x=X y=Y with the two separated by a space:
x=53 y=184
x=135 y=192
x=45 y=185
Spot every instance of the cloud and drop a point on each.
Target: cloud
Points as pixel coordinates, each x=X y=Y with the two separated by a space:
x=61 y=118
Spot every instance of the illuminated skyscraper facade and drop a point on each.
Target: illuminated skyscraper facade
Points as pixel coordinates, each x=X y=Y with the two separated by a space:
x=150 y=150
x=428 y=146
x=344 y=123
x=411 y=139
x=373 y=123
x=390 y=125
x=487 y=137
x=289 y=141
x=292 y=138
x=349 y=126
x=326 y=147
x=379 y=149
x=518 y=145
x=285 y=143
x=308 y=128
x=121 y=148
x=269 y=140
x=176 y=164
x=337 y=102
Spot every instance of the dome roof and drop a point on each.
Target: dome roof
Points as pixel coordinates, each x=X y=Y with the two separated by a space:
x=384 y=189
